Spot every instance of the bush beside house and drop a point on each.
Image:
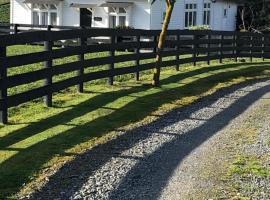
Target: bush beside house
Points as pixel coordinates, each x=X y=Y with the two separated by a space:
x=4 y=11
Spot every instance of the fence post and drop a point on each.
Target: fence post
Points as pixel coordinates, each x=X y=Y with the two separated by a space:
x=194 y=49
x=263 y=47
x=137 y=73
x=15 y=29
x=251 y=46
x=221 y=49
x=208 y=47
x=112 y=54
x=48 y=64
x=177 y=49
x=155 y=40
x=235 y=46
x=3 y=89
x=82 y=43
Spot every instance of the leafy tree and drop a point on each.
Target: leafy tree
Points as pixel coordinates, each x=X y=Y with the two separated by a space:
x=162 y=37
x=254 y=15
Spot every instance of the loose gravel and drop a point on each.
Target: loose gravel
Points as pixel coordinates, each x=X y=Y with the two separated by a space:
x=256 y=186
x=161 y=160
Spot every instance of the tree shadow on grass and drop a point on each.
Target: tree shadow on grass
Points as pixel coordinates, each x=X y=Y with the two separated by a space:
x=18 y=169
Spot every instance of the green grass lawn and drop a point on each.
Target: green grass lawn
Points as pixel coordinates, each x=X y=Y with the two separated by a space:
x=40 y=139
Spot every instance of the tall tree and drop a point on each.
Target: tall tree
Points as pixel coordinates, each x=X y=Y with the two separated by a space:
x=162 y=37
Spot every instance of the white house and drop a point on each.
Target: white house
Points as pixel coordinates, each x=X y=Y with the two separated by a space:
x=141 y=14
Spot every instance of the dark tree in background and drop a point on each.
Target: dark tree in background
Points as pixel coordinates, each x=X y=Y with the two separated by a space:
x=4 y=11
x=254 y=15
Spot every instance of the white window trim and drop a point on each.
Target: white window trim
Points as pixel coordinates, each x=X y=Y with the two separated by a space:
x=191 y=11
x=210 y=12
x=47 y=10
x=117 y=15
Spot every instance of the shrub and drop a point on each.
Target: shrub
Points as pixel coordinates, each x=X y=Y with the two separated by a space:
x=200 y=27
x=124 y=27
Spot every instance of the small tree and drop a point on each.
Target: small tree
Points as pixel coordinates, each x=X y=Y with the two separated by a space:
x=162 y=37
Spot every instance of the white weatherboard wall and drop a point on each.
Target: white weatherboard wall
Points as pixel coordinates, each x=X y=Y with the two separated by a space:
x=20 y=12
x=102 y=13
x=70 y=16
x=140 y=14
x=218 y=22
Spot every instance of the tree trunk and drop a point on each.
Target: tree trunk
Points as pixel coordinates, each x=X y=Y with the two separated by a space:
x=162 y=37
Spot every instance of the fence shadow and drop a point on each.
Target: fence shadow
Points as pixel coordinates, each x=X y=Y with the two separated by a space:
x=136 y=184
x=95 y=103
x=18 y=169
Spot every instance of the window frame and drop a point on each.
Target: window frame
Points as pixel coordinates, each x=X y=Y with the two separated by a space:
x=45 y=9
x=207 y=13
x=118 y=13
x=191 y=12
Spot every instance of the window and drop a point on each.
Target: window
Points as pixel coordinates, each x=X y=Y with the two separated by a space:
x=44 y=14
x=122 y=10
x=112 y=21
x=190 y=15
x=53 y=18
x=122 y=20
x=44 y=18
x=117 y=17
x=207 y=13
x=35 y=18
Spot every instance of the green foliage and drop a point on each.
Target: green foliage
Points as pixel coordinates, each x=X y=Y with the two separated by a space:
x=200 y=27
x=257 y=14
x=4 y=1
x=249 y=165
x=124 y=27
x=4 y=11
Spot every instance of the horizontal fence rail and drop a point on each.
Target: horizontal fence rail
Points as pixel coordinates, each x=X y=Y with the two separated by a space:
x=198 y=46
x=7 y=28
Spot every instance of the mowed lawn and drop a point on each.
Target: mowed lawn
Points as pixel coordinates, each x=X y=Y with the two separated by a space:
x=38 y=140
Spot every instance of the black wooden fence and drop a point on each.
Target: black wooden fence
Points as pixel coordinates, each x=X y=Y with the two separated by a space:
x=7 y=28
x=202 y=45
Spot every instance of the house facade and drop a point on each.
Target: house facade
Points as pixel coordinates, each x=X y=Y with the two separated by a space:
x=140 y=14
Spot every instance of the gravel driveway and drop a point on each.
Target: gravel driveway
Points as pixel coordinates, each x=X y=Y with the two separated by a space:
x=162 y=160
